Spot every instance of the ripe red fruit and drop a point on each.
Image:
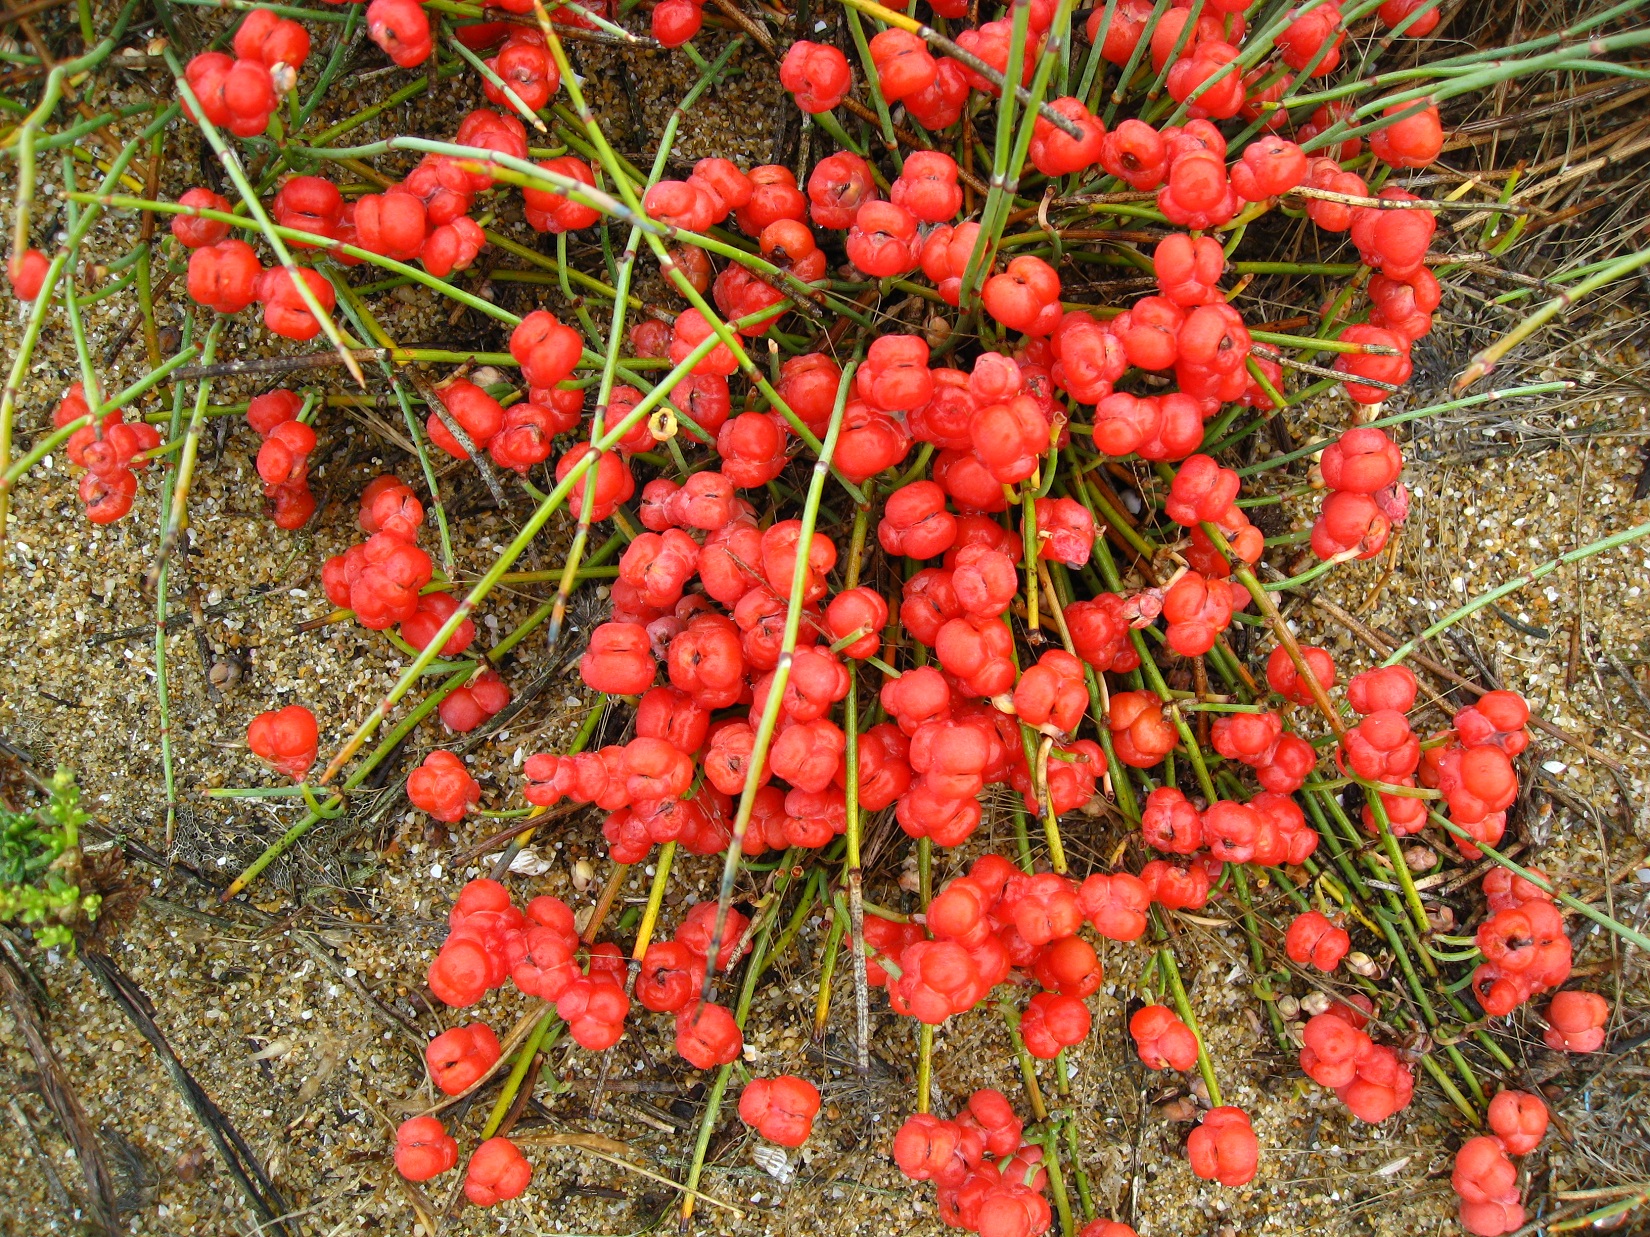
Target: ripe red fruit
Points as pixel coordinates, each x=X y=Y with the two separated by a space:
x=1270 y=166
x=1476 y=781
x=1162 y=1039
x=1197 y=194
x=1224 y=1148
x=273 y=408
x=1393 y=240
x=816 y=74
x=1188 y=270
x=285 y=312
x=461 y=1056
x=488 y=130
x=308 y=204
x=423 y=1149
x=857 y=610
x=1169 y=822
x=1069 y=966
x=925 y=1146
x=478 y=414
x=903 y=63
x=224 y=276
x=546 y=350
x=1487 y=1182
x=1575 y=1022
x=1363 y=461
x=990 y=42
x=1115 y=905
x=1283 y=678
x=108 y=495
x=927 y=186
x=883 y=240
x=594 y=1008
x=940 y=105
x=469 y=706
x=1396 y=12
x=1519 y=1120
x=402 y=29
x=1139 y=731
x=780 y=1109
x=1497 y=718
x=895 y=377
x=1134 y=152
x=443 y=787
x=286 y=739
x=452 y=246
x=1311 y=938
x=1055 y=152
x=283 y=459
x=192 y=231
x=1412 y=142
x=1052 y=693
x=614 y=483
x=1302 y=41
x=618 y=660
x=498 y=1171
x=1210 y=71
x=27 y=271
x=1008 y=438
x=551 y=211
x=707 y=1035
x=915 y=522
x=671 y=977
x=1025 y=297
x=1053 y=1021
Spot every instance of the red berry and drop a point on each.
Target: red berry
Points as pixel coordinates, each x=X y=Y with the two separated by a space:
x=423 y=1149
x=462 y=1056
x=707 y=1035
x=1311 y=938
x=224 y=276
x=402 y=29
x=498 y=1171
x=816 y=74
x=1224 y=1148
x=443 y=787
x=285 y=739
x=780 y=1109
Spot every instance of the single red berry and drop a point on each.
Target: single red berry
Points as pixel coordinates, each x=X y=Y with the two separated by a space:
x=423 y=1149
x=286 y=739
x=498 y=1171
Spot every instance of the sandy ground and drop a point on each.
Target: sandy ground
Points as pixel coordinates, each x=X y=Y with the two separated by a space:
x=302 y=1015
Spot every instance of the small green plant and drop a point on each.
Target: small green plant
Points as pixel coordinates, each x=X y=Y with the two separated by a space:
x=39 y=863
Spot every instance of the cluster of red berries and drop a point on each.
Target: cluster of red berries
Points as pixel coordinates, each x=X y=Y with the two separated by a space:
x=283 y=459
x=240 y=92
x=1485 y=1178
x=1473 y=769
x=285 y=739
x=442 y=786
x=997 y=919
x=380 y=579
x=1367 y=500
x=1371 y=1079
x=112 y=451
x=226 y=276
x=1526 y=949
x=988 y=1179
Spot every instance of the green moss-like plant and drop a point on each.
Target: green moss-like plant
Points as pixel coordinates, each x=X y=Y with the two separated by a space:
x=39 y=864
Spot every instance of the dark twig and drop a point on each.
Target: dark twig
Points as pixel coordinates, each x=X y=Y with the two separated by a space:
x=65 y=1105
x=261 y=1194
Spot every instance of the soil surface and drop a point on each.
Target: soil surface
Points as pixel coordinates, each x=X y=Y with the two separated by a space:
x=301 y=1011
